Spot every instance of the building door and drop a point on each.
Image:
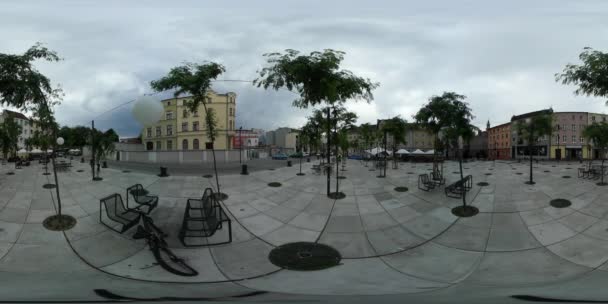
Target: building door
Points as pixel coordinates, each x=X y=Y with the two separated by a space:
x=558 y=154
x=149 y=146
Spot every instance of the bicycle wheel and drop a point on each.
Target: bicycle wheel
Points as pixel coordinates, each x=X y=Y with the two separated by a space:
x=171 y=263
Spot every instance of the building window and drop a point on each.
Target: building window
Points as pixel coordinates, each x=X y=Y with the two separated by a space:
x=195 y=144
x=169 y=115
x=149 y=132
x=582 y=140
x=209 y=145
x=195 y=113
x=169 y=130
x=185 y=144
x=195 y=126
x=185 y=114
x=230 y=126
x=573 y=127
x=593 y=118
x=158 y=131
x=604 y=118
x=557 y=139
x=168 y=103
x=580 y=117
x=184 y=126
x=565 y=139
x=169 y=144
x=573 y=139
x=158 y=145
x=208 y=99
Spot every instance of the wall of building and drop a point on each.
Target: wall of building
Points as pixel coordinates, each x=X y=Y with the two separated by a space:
x=180 y=157
x=499 y=142
x=189 y=127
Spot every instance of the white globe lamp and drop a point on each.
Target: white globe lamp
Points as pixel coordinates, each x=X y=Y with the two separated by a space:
x=147 y=110
x=60 y=141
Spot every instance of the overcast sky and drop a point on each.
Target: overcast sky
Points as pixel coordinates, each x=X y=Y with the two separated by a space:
x=501 y=54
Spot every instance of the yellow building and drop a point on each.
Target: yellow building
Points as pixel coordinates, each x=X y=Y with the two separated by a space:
x=180 y=129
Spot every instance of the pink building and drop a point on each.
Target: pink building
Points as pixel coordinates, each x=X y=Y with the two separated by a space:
x=567 y=141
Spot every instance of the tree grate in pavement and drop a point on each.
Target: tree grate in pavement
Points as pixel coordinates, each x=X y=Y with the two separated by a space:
x=560 y=203
x=304 y=256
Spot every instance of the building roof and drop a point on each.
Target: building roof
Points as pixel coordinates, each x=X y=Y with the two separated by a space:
x=14 y=114
x=531 y=114
x=500 y=126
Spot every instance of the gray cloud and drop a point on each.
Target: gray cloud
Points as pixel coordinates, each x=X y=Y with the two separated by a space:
x=502 y=55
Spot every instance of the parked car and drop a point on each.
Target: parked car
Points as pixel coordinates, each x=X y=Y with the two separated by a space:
x=296 y=155
x=357 y=157
x=282 y=156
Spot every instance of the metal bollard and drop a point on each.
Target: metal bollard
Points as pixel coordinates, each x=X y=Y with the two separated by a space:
x=163 y=172
x=244 y=170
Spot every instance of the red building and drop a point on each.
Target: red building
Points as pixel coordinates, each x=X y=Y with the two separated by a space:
x=499 y=141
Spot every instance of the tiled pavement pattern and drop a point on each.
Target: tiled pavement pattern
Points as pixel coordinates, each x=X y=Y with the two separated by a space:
x=392 y=242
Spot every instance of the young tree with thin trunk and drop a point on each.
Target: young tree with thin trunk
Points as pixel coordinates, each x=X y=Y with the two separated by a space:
x=396 y=127
x=368 y=137
x=597 y=133
x=9 y=136
x=195 y=80
x=531 y=130
x=22 y=86
x=436 y=115
x=318 y=79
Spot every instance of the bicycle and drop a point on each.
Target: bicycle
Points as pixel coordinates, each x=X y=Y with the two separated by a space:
x=163 y=255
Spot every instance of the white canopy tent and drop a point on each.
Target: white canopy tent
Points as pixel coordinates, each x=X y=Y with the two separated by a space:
x=49 y=151
x=376 y=151
x=36 y=151
x=402 y=151
x=418 y=151
x=430 y=152
x=22 y=151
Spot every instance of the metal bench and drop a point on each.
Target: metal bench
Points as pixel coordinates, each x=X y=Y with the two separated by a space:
x=583 y=172
x=458 y=188
x=118 y=213
x=141 y=198
x=202 y=219
x=424 y=183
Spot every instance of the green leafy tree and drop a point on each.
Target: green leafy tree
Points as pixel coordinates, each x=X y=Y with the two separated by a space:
x=195 y=80
x=437 y=114
x=9 y=136
x=591 y=76
x=396 y=127
x=318 y=79
x=531 y=130
x=597 y=134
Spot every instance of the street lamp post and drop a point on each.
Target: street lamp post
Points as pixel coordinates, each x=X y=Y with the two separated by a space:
x=240 y=144
x=58 y=222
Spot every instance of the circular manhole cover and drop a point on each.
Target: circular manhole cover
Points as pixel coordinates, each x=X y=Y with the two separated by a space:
x=483 y=184
x=274 y=184
x=304 y=256
x=410 y=173
x=465 y=211
x=488 y=173
x=271 y=169
x=207 y=176
x=80 y=170
x=560 y=203
x=519 y=173
x=126 y=171
x=48 y=186
x=401 y=189
x=546 y=171
x=10 y=173
x=59 y=223
x=341 y=177
x=566 y=176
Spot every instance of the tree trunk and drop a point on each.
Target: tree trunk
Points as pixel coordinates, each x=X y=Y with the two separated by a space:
x=210 y=131
x=336 y=150
x=328 y=149
x=464 y=190
x=57 y=186
x=530 y=151
x=385 y=156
